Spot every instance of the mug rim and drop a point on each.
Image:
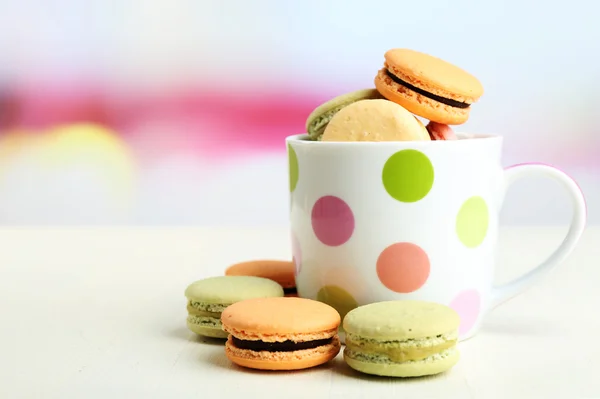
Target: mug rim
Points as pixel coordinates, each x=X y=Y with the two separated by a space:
x=482 y=138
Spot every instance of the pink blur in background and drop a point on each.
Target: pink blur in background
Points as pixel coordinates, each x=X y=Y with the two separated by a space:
x=175 y=112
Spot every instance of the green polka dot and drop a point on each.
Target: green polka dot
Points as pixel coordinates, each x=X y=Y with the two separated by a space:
x=408 y=175
x=337 y=298
x=293 y=168
x=472 y=222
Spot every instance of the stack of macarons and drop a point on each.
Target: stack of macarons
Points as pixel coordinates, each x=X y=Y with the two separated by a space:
x=269 y=331
x=208 y=298
x=264 y=329
x=411 y=84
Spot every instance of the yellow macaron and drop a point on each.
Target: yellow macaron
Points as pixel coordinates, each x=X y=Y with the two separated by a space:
x=375 y=120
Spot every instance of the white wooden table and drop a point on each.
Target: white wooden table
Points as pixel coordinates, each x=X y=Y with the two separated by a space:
x=100 y=313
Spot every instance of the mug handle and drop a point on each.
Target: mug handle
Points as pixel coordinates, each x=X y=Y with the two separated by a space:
x=507 y=291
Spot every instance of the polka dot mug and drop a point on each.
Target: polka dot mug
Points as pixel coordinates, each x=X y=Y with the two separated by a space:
x=376 y=221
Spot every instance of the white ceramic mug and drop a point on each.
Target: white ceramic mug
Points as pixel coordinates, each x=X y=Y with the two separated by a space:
x=376 y=221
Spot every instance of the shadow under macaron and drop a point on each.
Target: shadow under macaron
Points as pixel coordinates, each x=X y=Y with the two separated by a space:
x=210 y=340
x=185 y=334
x=181 y=333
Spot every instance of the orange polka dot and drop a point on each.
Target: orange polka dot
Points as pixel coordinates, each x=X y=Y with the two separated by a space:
x=403 y=267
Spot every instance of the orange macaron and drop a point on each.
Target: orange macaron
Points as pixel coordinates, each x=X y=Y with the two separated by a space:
x=281 y=333
x=428 y=86
x=280 y=271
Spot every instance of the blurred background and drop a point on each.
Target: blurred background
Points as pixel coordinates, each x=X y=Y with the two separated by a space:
x=174 y=112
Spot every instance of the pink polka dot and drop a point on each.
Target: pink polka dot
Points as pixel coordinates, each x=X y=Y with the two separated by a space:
x=332 y=220
x=403 y=267
x=467 y=304
x=296 y=253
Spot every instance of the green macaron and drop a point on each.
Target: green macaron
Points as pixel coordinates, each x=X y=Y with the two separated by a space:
x=320 y=117
x=208 y=298
x=401 y=338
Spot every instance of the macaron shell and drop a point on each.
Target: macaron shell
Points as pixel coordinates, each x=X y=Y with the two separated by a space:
x=281 y=318
x=375 y=120
x=409 y=369
x=419 y=104
x=434 y=75
x=401 y=320
x=207 y=331
x=231 y=289
x=295 y=360
x=422 y=126
x=328 y=109
x=279 y=271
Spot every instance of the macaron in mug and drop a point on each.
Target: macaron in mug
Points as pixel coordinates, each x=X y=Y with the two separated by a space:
x=418 y=220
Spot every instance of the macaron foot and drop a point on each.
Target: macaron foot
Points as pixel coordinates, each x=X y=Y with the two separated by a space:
x=207 y=331
x=295 y=360
x=385 y=368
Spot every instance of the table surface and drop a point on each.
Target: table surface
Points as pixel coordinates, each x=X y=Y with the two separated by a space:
x=100 y=313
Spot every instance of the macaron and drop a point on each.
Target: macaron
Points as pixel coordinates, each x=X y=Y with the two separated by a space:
x=209 y=297
x=281 y=333
x=280 y=271
x=428 y=86
x=375 y=120
x=401 y=338
x=320 y=117
x=439 y=131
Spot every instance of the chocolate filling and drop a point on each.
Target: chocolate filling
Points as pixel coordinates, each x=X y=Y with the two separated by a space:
x=285 y=346
x=291 y=290
x=443 y=100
